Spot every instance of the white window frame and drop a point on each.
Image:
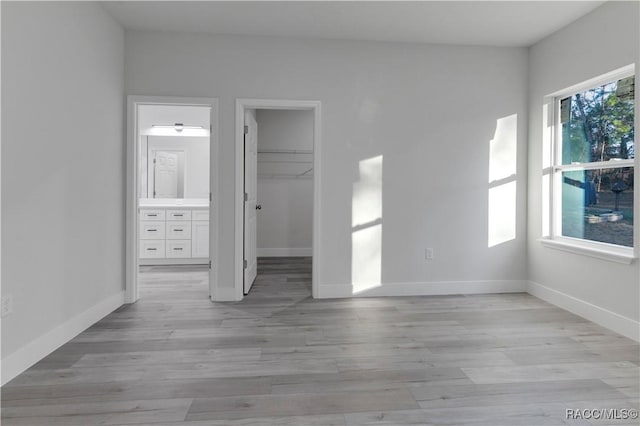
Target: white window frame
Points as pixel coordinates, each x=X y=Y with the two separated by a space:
x=606 y=251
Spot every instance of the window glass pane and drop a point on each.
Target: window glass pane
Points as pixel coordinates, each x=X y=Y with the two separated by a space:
x=597 y=124
x=597 y=205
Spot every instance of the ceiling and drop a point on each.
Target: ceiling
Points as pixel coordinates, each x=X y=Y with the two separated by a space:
x=489 y=23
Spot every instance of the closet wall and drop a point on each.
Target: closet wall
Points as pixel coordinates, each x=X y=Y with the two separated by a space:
x=285 y=182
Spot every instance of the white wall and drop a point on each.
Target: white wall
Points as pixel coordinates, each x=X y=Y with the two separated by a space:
x=602 y=41
x=429 y=111
x=285 y=222
x=62 y=174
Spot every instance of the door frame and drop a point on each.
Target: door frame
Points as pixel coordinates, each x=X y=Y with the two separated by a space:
x=133 y=181
x=250 y=263
x=280 y=104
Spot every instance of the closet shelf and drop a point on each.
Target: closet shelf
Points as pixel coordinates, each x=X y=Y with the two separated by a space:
x=300 y=160
x=285 y=176
x=285 y=151
x=304 y=175
x=286 y=161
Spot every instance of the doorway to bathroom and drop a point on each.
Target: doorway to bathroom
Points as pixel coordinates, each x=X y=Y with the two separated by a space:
x=170 y=207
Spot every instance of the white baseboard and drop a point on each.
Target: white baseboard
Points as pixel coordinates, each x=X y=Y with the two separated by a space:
x=423 y=288
x=225 y=295
x=32 y=352
x=608 y=319
x=284 y=252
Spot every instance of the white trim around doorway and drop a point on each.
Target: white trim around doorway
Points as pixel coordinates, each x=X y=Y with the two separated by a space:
x=241 y=106
x=131 y=242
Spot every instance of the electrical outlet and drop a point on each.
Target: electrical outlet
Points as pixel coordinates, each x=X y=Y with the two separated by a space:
x=428 y=254
x=7 y=305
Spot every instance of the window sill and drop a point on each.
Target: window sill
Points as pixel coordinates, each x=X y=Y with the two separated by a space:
x=624 y=256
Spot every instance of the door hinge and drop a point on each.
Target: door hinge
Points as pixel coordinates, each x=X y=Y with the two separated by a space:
x=245 y=264
x=210 y=197
x=154 y=161
x=210 y=128
x=246 y=197
x=209 y=264
x=246 y=130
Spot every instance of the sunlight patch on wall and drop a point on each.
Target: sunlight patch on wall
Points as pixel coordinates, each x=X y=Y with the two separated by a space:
x=367 y=193
x=503 y=149
x=502 y=213
x=366 y=221
x=366 y=258
x=501 y=226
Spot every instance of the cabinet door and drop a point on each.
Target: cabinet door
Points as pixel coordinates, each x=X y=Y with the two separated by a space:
x=200 y=238
x=200 y=214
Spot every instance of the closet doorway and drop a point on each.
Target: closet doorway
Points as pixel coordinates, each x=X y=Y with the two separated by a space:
x=171 y=243
x=277 y=189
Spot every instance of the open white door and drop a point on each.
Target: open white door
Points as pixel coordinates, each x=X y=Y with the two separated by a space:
x=250 y=186
x=166 y=175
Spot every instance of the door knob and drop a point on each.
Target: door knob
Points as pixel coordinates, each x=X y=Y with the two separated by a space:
x=258 y=207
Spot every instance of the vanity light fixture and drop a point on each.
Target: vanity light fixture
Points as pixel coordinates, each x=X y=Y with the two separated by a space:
x=178 y=127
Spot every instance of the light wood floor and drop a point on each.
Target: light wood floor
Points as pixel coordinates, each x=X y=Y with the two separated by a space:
x=282 y=358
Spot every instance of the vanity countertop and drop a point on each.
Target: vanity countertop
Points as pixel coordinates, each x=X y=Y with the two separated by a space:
x=174 y=204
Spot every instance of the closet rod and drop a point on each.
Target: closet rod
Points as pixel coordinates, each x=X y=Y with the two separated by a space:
x=284 y=151
x=285 y=161
x=284 y=176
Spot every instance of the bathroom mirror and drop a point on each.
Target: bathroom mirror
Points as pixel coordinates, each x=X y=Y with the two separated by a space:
x=174 y=167
x=166 y=174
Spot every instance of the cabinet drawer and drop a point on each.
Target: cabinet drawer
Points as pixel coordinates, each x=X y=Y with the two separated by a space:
x=152 y=249
x=199 y=214
x=178 y=230
x=151 y=214
x=178 y=248
x=152 y=230
x=178 y=215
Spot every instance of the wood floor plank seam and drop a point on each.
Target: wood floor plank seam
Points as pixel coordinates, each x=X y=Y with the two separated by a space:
x=280 y=357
